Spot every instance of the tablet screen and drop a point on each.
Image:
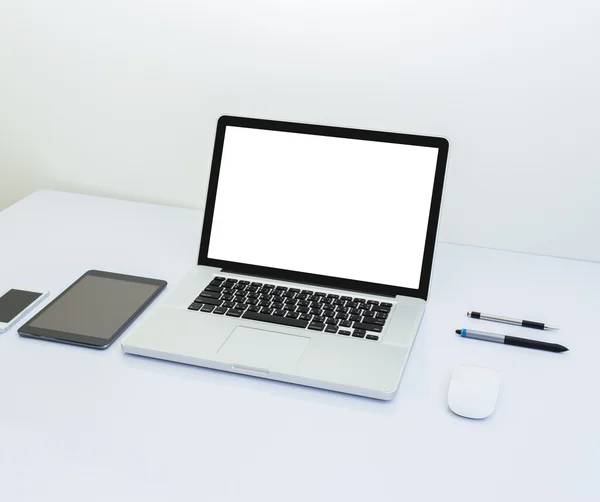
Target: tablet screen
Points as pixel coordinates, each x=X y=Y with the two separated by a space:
x=95 y=306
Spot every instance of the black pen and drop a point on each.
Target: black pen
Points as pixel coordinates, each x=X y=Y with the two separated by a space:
x=509 y=320
x=511 y=340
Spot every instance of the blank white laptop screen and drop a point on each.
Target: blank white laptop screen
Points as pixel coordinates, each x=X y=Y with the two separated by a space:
x=340 y=207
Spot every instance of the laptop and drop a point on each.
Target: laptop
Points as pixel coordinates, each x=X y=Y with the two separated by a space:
x=315 y=257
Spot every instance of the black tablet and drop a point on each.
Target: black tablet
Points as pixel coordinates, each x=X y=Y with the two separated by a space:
x=94 y=310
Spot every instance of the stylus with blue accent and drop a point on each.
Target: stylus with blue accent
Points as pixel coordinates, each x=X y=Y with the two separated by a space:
x=511 y=340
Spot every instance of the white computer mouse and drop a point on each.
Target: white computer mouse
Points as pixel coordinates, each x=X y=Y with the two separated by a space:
x=473 y=391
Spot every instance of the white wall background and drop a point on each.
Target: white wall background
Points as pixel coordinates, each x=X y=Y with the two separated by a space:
x=121 y=97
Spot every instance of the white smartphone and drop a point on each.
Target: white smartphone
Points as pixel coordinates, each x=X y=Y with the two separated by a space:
x=15 y=303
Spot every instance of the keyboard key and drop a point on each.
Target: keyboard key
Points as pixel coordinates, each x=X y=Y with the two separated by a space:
x=373 y=320
x=195 y=306
x=288 y=321
x=384 y=304
x=228 y=304
x=293 y=315
x=339 y=303
x=379 y=308
x=372 y=302
x=368 y=313
x=327 y=300
x=360 y=300
x=381 y=315
x=301 y=296
x=319 y=318
x=207 y=308
x=279 y=312
x=335 y=297
x=227 y=297
x=359 y=333
x=219 y=310
x=280 y=288
x=238 y=298
x=328 y=307
x=346 y=298
x=317 y=326
x=346 y=324
x=220 y=279
x=211 y=294
x=289 y=294
x=208 y=300
x=253 y=295
x=244 y=282
x=277 y=293
x=370 y=327
x=254 y=308
x=331 y=329
x=234 y=313
x=294 y=290
x=302 y=310
x=355 y=311
x=307 y=292
x=251 y=301
x=343 y=310
x=289 y=308
x=290 y=301
x=266 y=311
x=341 y=316
x=214 y=289
x=228 y=291
x=240 y=306
x=264 y=303
x=344 y=332
x=355 y=318
x=331 y=320
x=305 y=317
x=231 y=279
x=316 y=311
x=352 y=305
x=277 y=305
x=372 y=337
x=319 y=294
x=256 y=284
x=270 y=286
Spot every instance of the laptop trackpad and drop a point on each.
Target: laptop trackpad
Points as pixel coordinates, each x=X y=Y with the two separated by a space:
x=263 y=350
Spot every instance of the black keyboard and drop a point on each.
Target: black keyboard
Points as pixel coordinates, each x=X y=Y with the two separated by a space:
x=314 y=310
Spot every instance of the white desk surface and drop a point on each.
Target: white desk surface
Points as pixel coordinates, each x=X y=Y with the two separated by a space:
x=83 y=425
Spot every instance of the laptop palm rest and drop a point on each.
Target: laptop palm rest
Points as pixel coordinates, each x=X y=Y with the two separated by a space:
x=261 y=351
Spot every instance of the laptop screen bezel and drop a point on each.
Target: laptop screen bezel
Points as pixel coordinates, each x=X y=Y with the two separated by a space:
x=316 y=279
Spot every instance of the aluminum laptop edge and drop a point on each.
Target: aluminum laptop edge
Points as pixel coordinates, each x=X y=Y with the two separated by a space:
x=315 y=258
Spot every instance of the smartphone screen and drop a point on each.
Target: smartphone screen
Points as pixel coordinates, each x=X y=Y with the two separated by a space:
x=14 y=302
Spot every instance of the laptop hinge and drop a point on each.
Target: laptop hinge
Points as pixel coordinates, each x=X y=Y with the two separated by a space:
x=264 y=276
